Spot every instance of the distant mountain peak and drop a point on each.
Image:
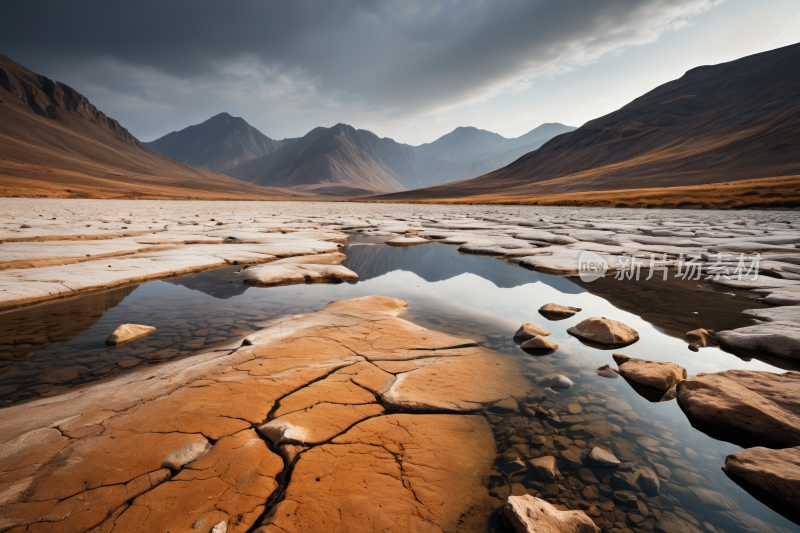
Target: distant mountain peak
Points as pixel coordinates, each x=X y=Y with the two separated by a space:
x=220 y=143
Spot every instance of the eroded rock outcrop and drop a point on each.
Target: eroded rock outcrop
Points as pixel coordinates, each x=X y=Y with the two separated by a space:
x=191 y=449
x=656 y=374
x=775 y=471
x=756 y=405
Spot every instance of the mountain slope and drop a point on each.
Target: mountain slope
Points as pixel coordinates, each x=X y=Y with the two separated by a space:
x=221 y=143
x=470 y=152
x=339 y=161
x=54 y=142
x=721 y=123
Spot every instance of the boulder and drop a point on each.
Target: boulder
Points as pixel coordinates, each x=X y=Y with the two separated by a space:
x=774 y=471
x=753 y=404
x=604 y=331
x=701 y=338
x=527 y=514
x=656 y=374
x=544 y=468
x=601 y=458
x=127 y=333
x=529 y=330
x=558 y=312
x=539 y=344
x=781 y=338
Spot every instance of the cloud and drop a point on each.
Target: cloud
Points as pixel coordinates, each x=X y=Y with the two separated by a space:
x=390 y=61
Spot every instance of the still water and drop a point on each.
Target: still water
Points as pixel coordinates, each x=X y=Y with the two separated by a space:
x=52 y=348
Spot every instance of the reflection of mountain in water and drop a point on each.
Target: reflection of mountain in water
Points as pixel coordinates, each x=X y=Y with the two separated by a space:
x=214 y=283
x=438 y=262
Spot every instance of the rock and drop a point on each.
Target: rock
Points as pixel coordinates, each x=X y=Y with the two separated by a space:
x=647 y=442
x=575 y=408
x=588 y=476
x=618 y=405
x=504 y=406
x=648 y=481
x=781 y=338
x=529 y=330
x=625 y=481
x=557 y=381
x=625 y=497
x=128 y=333
x=753 y=404
x=558 y=312
x=221 y=527
x=189 y=453
x=528 y=514
x=670 y=523
x=538 y=440
x=607 y=372
x=671 y=394
x=774 y=471
x=701 y=338
x=663 y=471
x=601 y=458
x=570 y=460
x=789 y=313
x=656 y=374
x=713 y=500
x=604 y=331
x=539 y=344
x=543 y=468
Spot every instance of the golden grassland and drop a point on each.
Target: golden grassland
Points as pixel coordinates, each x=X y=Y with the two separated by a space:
x=764 y=193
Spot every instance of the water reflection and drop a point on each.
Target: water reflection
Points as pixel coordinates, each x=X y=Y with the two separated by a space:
x=438 y=262
x=476 y=297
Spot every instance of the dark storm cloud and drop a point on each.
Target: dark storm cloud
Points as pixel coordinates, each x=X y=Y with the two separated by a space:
x=392 y=58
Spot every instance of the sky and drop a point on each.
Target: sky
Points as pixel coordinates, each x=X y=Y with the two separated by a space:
x=412 y=70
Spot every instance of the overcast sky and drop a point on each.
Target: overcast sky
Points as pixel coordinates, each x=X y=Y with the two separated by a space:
x=411 y=70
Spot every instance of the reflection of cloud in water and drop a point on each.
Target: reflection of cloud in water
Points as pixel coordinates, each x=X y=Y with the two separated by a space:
x=438 y=262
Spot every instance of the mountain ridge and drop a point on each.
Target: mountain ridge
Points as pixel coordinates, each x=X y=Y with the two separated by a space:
x=55 y=142
x=220 y=143
x=716 y=123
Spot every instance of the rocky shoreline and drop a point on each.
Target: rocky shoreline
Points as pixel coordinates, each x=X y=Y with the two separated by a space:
x=366 y=431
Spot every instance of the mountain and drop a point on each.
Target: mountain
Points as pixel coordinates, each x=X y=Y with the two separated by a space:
x=54 y=142
x=470 y=152
x=336 y=161
x=722 y=123
x=221 y=143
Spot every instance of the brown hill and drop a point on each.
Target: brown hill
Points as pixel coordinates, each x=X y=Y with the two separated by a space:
x=54 y=142
x=221 y=143
x=729 y=122
x=338 y=161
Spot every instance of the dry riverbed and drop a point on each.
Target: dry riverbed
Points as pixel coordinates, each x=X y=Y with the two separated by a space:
x=351 y=418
